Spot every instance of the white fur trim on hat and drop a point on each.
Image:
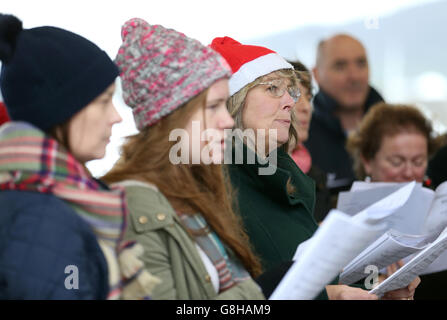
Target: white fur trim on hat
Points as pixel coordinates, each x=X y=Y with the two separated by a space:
x=256 y=68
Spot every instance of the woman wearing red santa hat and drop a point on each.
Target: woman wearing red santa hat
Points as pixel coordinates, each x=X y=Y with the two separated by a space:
x=276 y=205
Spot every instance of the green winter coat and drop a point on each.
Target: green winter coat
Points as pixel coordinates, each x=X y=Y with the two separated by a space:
x=276 y=222
x=170 y=253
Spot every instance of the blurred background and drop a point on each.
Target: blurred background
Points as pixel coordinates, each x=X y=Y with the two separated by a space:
x=405 y=39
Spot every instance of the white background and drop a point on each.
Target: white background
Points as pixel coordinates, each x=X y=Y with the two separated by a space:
x=244 y=20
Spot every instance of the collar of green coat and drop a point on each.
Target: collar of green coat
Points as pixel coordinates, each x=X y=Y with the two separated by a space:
x=275 y=185
x=149 y=209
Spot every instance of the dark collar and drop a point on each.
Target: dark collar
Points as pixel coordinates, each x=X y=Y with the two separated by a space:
x=275 y=185
x=325 y=106
x=325 y=103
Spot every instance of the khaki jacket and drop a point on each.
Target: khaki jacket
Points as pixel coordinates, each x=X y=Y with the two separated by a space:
x=170 y=253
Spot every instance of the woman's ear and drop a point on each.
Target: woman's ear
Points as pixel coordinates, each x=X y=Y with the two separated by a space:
x=366 y=165
x=315 y=74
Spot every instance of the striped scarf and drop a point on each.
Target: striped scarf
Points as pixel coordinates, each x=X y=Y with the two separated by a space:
x=230 y=272
x=32 y=161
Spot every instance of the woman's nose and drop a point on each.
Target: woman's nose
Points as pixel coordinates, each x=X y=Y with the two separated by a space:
x=116 y=117
x=287 y=102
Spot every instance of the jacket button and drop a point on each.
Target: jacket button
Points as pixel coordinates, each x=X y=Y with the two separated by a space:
x=207 y=278
x=161 y=216
x=142 y=220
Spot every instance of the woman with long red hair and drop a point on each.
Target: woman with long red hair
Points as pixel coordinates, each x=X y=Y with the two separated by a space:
x=180 y=207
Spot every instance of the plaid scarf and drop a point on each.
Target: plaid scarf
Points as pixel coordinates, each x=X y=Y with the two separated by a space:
x=32 y=161
x=230 y=272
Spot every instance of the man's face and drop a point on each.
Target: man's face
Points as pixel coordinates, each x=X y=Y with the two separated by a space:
x=342 y=72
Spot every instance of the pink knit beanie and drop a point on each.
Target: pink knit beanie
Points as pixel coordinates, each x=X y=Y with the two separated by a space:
x=162 y=69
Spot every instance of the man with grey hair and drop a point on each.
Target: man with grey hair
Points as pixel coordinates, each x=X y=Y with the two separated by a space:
x=344 y=96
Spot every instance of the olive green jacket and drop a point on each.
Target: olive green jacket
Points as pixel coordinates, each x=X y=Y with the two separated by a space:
x=169 y=251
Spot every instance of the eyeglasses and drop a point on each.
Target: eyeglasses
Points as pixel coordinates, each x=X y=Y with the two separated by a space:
x=278 y=87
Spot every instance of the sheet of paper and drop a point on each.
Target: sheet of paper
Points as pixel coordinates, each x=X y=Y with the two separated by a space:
x=407 y=219
x=363 y=185
x=300 y=250
x=336 y=242
x=385 y=207
x=413 y=203
x=389 y=248
x=440 y=264
x=436 y=219
x=352 y=202
x=403 y=277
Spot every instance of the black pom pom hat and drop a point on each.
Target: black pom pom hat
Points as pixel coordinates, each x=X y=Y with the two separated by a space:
x=49 y=74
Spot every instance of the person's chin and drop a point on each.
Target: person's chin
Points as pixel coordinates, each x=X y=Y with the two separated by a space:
x=355 y=101
x=302 y=137
x=218 y=161
x=101 y=153
x=217 y=157
x=282 y=140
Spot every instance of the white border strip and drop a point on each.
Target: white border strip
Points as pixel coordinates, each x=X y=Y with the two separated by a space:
x=255 y=69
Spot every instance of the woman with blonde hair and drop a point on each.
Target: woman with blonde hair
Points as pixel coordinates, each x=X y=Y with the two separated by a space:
x=277 y=204
x=180 y=207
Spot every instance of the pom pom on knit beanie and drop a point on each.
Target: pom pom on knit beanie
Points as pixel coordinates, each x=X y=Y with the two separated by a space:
x=49 y=74
x=162 y=69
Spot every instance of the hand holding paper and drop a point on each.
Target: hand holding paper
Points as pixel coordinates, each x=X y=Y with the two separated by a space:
x=403 y=277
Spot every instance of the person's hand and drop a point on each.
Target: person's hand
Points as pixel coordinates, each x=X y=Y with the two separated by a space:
x=406 y=293
x=344 y=292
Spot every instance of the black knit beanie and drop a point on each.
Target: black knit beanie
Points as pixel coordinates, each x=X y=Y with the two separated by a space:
x=48 y=74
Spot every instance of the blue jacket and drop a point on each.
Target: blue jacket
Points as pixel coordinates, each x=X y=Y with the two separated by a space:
x=41 y=238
